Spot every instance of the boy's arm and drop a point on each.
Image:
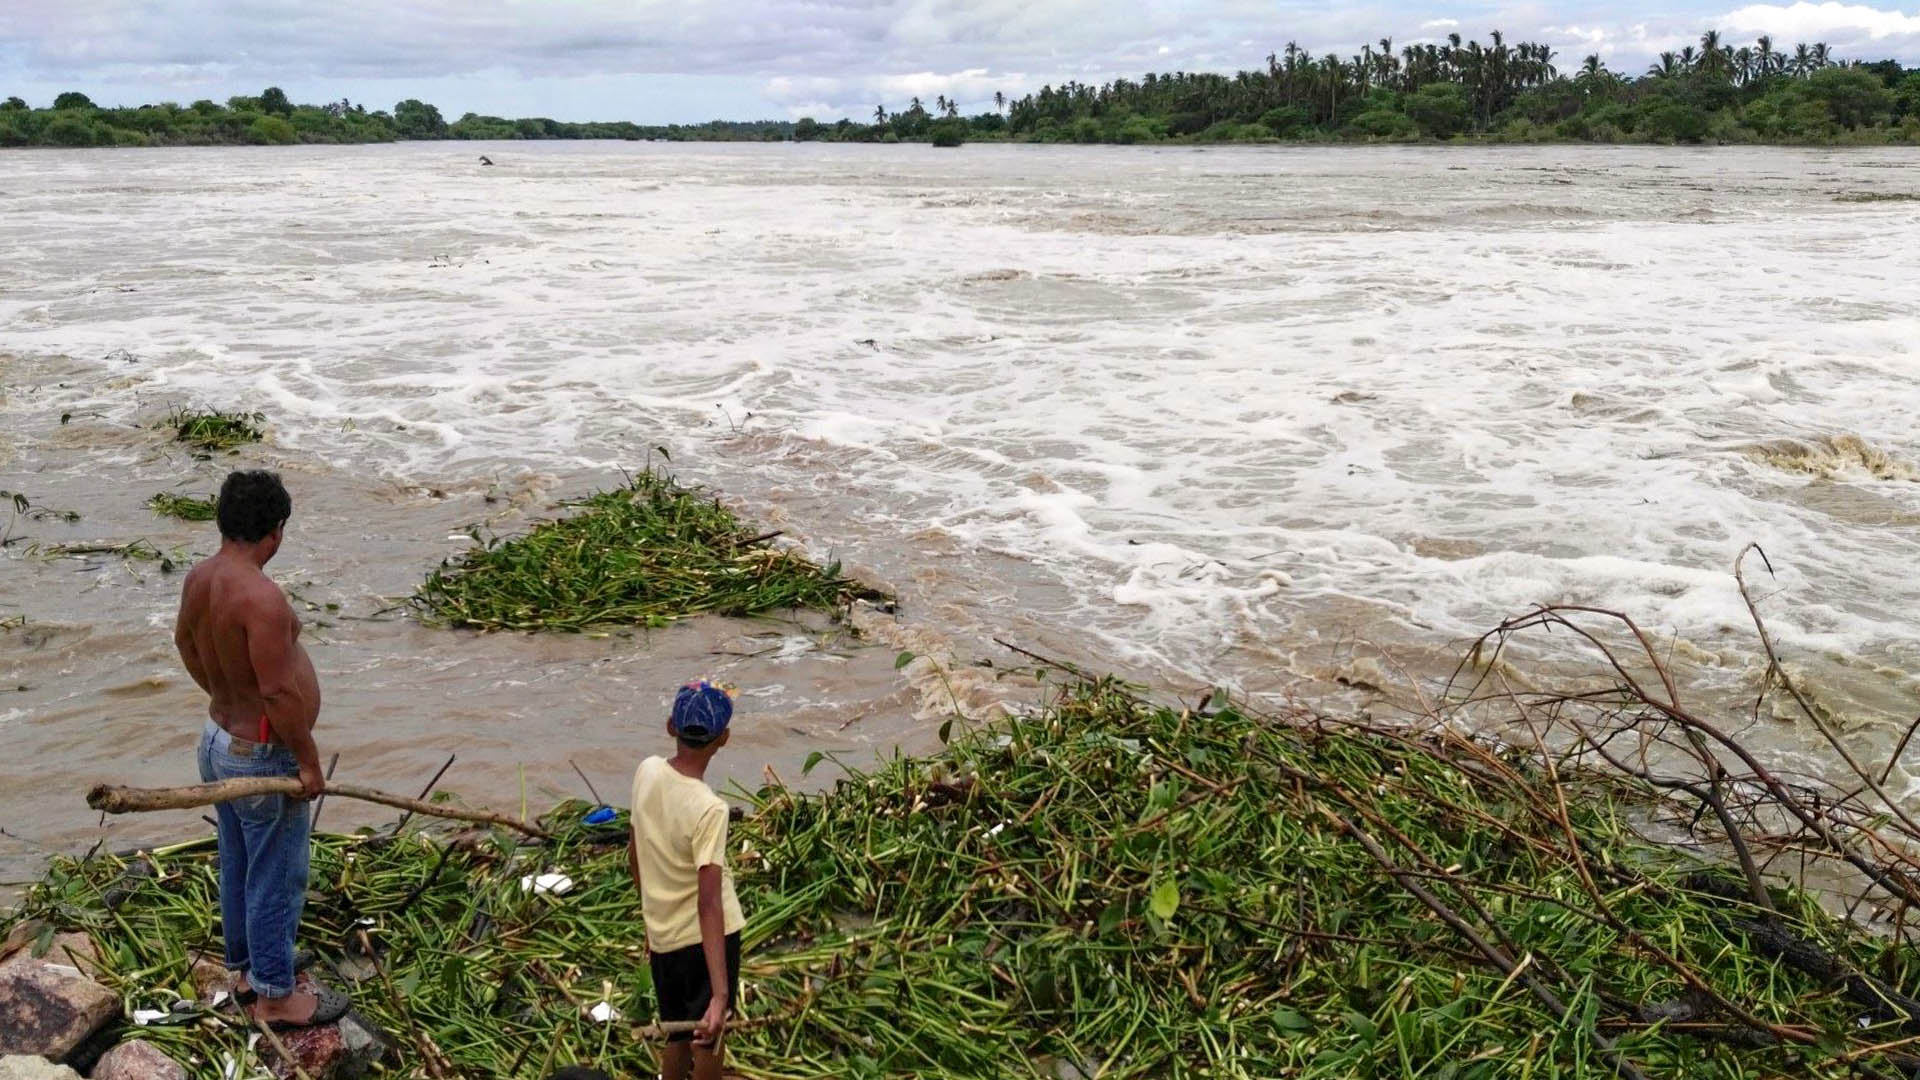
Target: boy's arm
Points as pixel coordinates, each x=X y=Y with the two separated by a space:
x=713 y=943
x=633 y=858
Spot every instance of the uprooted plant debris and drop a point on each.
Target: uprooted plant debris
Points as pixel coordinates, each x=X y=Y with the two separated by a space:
x=1116 y=888
x=640 y=555
x=183 y=507
x=211 y=430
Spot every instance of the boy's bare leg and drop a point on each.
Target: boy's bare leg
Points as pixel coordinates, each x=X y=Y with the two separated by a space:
x=676 y=1061
x=706 y=1061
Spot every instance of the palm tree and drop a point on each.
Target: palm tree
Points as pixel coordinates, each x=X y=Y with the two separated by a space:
x=1764 y=55
x=1688 y=59
x=1331 y=66
x=1593 y=75
x=952 y=108
x=1802 y=59
x=999 y=101
x=1822 y=56
x=1712 y=60
x=1667 y=68
x=879 y=114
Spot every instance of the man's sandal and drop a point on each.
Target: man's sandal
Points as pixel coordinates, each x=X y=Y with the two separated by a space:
x=302 y=960
x=330 y=1006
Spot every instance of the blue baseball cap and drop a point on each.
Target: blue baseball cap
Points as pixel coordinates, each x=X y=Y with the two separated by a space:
x=701 y=712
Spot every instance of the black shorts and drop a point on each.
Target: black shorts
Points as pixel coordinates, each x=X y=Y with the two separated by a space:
x=680 y=982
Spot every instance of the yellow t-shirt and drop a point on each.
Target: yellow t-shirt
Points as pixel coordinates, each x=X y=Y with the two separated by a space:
x=679 y=826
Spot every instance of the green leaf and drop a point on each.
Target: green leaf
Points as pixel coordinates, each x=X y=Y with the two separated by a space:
x=906 y=657
x=1165 y=900
x=662 y=451
x=1289 y=1020
x=43 y=941
x=1219 y=884
x=946 y=731
x=1367 y=1029
x=1112 y=916
x=812 y=760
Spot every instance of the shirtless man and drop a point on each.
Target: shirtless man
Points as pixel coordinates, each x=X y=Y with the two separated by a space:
x=240 y=641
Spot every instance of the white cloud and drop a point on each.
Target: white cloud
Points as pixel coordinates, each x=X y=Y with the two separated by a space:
x=1829 y=22
x=789 y=88
x=1440 y=24
x=1586 y=39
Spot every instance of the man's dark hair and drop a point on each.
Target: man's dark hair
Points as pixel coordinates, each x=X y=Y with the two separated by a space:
x=252 y=504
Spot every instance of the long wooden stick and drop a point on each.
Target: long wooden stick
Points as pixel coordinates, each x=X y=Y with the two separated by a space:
x=660 y=1029
x=121 y=800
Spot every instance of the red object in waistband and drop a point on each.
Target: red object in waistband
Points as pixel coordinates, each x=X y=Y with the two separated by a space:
x=266 y=732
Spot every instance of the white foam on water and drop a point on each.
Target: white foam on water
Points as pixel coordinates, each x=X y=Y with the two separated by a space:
x=1210 y=394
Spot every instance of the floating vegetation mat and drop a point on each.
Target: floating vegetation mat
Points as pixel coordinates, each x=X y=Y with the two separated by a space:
x=183 y=507
x=213 y=430
x=1106 y=888
x=131 y=551
x=641 y=555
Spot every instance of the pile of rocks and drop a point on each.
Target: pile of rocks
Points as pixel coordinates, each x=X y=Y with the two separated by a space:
x=55 y=1016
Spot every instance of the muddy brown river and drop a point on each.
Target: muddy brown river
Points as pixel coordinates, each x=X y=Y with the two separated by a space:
x=1250 y=417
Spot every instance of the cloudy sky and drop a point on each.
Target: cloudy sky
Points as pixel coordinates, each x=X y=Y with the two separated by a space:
x=689 y=60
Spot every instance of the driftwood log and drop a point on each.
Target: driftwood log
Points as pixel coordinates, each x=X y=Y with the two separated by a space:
x=122 y=800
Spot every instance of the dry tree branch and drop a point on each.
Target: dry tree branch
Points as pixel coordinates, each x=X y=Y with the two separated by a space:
x=122 y=800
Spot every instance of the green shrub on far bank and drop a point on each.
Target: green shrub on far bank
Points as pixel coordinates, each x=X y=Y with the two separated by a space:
x=1439 y=109
x=272 y=131
x=1675 y=122
x=640 y=555
x=951 y=131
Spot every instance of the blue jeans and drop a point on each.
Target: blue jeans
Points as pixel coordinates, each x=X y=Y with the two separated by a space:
x=263 y=861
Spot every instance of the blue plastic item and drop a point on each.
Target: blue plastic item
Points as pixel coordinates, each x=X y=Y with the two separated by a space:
x=601 y=816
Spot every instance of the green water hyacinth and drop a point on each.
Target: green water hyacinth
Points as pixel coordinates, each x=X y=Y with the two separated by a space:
x=1105 y=887
x=640 y=555
x=213 y=430
x=183 y=507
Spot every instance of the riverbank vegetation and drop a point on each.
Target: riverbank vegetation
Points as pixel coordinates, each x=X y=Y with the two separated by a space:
x=270 y=119
x=1451 y=89
x=641 y=555
x=1113 y=887
x=1717 y=91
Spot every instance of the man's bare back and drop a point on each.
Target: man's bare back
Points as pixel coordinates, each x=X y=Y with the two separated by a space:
x=240 y=641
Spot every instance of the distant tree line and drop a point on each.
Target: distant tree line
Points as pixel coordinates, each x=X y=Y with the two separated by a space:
x=271 y=119
x=1713 y=92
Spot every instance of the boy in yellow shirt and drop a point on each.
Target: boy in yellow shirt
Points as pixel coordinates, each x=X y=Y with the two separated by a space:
x=678 y=855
